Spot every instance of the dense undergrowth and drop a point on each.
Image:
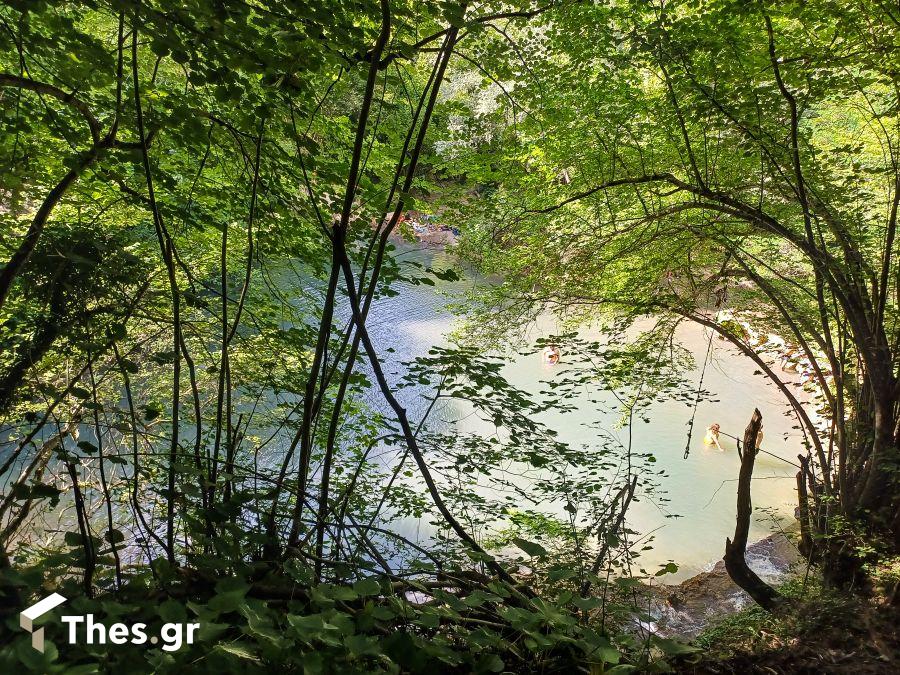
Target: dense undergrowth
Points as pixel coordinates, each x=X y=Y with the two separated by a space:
x=263 y=620
x=820 y=630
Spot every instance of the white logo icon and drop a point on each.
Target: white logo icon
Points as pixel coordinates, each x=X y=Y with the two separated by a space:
x=27 y=617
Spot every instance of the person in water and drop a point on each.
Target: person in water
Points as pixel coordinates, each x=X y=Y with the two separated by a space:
x=712 y=436
x=552 y=354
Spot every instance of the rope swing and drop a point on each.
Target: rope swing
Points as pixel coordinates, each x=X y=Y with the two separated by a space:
x=687 y=447
x=721 y=297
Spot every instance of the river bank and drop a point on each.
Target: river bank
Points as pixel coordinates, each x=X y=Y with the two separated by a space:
x=686 y=609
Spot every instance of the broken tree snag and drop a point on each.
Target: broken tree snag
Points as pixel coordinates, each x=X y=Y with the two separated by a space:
x=735 y=562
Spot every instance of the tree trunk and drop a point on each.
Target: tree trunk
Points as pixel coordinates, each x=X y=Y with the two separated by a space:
x=763 y=594
x=806 y=545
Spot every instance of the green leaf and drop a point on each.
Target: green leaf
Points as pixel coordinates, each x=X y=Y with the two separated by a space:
x=151 y=412
x=210 y=630
x=428 y=619
x=344 y=593
x=362 y=645
x=172 y=611
x=560 y=573
x=239 y=649
x=311 y=626
x=227 y=601
x=671 y=647
x=365 y=587
x=530 y=547
x=668 y=568
x=114 y=536
x=88 y=447
x=489 y=663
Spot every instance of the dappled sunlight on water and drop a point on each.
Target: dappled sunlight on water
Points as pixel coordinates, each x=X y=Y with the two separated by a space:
x=691 y=526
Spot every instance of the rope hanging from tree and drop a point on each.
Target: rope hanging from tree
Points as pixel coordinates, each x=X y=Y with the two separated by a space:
x=765 y=452
x=721 y=297
x=687 y=447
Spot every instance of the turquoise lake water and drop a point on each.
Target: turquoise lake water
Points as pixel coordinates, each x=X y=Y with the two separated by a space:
x=698 y=513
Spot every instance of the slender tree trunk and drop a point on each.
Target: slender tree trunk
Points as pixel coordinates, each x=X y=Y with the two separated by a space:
x=26 y=247
x=806 y=545
x=85 y=529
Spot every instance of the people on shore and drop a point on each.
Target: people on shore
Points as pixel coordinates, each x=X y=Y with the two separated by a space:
x=789 y=360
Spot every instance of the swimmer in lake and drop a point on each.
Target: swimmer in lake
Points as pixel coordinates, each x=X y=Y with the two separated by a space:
x=712 y=436
x=552 y=354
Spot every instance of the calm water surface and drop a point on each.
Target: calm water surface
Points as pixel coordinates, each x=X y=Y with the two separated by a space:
x=690 y=528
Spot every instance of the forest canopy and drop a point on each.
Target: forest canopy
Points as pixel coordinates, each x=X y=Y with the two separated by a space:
x=205 y=207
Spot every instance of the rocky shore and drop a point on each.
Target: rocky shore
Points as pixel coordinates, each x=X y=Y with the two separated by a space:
x=684 y=610
x=426 y=228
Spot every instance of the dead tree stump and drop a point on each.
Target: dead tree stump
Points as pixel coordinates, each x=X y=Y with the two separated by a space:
x=735 y=562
